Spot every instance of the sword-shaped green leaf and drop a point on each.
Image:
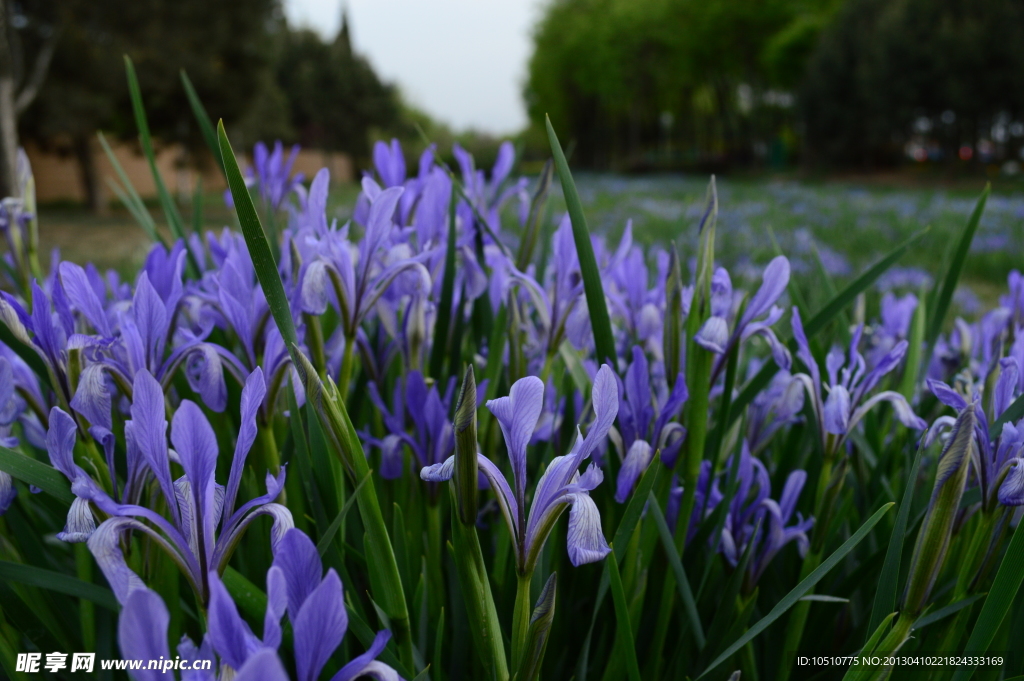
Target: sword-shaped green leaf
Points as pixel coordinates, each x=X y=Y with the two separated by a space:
x=59 y=582
x=597 y=306
x=800 y=589
x=944 y=295
x=32 y=472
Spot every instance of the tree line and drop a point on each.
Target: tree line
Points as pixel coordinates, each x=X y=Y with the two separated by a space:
x=266 y=79
x=706 y=83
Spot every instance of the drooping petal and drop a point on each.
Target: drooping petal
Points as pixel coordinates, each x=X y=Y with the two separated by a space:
x=299 y=562
x=228 y=633
x=1011 y=492
x=60 y=443
x=585 y=540
x=947 y=395
x=80 y=524
x=904 y=413
x=92 y=399
x=105 y=546
x=142 y=632
x=633 y=466
x=365 y=665
x=713 y=335
x=319 y=626
x=205 y=375
x=263 y=665
x=1005 y=386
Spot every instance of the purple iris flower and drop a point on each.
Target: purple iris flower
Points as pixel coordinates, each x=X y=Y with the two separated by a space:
x=489 y=197
x=274 y=172
x=896 y=316
x=777 y=406
x=560 y=486
x=315 y=604
x=998 y=463
x=432 y=439
x=231 y=298
x=647 y=422
x=355 y=278
x=142 y=635
x=849 y=382
x=640 y=309
x=757 y=319
x=751 y=509
x=135 y=336
x=559 y=314
x=204 y=525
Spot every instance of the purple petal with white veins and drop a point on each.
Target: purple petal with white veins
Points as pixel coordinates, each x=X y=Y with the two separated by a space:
x=80 y=523
x=585 y=539
x=92 y=399
x=205 y=375
x=196 y=445
x=1011 y=492
x=713 y=335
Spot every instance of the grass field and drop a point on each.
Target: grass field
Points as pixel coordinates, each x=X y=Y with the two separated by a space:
x=835 y=227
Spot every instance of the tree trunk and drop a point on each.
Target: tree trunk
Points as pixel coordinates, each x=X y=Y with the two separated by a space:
x=8 y=115
x=89 y=173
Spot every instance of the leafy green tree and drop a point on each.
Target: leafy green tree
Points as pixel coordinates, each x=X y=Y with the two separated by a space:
x=334 y=97
x=952 y=67
x=222 y=46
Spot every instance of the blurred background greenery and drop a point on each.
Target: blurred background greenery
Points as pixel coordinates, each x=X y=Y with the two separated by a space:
x=912 y=102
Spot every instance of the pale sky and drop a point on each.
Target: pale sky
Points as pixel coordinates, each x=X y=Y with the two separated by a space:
x=461 y=61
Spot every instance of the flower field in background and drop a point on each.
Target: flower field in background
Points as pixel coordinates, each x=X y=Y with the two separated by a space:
x=462 y=435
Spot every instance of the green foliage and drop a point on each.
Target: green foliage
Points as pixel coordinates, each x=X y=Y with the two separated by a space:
x=883 y=64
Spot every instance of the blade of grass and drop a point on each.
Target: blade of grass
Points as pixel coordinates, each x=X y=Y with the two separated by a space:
x=171 y=212
x=59 y=582
x=997 y=604
x=128 y=196
x=624 y=629
x=592 y=287
x=623 y=532
x=944 y=295
x=32 y=472
x=885 y=596
x=950 y=609
x=683 y=584
x=444 y=312
x=801 y=589
x=203 y=118
x=328 y=535
x=259 y=247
